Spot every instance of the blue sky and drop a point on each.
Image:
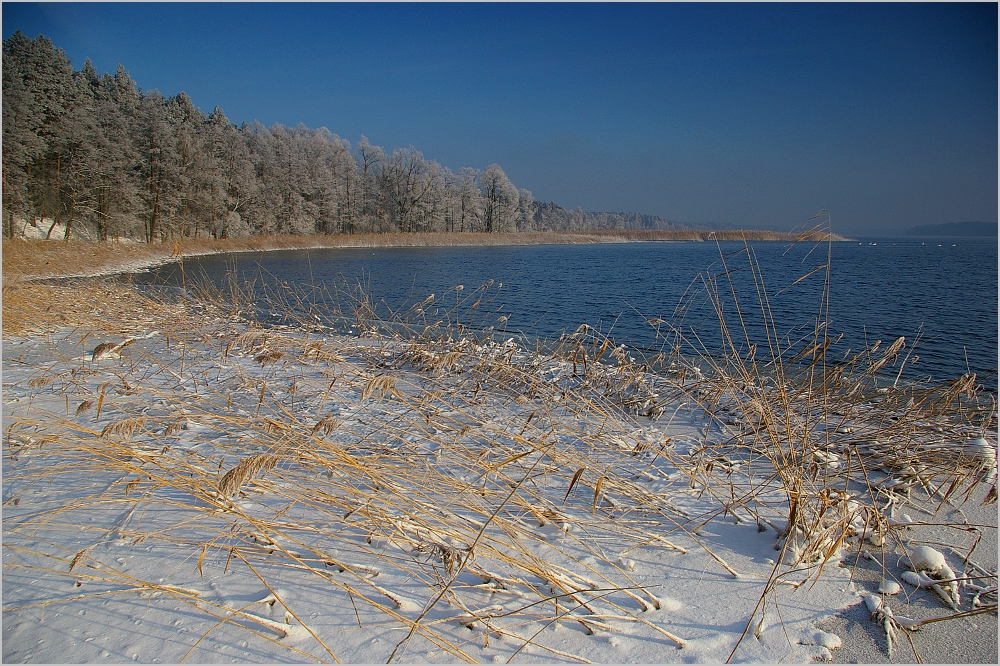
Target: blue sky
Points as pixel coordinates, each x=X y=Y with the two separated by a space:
x=732 y=114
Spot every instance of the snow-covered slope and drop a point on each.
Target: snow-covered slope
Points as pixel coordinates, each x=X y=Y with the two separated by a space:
x=269 y=496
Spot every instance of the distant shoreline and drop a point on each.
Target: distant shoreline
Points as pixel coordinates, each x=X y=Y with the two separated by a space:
x=40 y=259
x=954 y=230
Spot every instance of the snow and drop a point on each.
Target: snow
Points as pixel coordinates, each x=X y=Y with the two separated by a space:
x=925 y=557
x=39 y=229
x=389 y=506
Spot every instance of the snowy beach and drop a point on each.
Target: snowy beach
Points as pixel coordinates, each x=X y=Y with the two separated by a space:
x=536 y=333
x=181 y=484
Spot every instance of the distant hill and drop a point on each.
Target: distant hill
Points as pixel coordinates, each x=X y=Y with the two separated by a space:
x=981 y=229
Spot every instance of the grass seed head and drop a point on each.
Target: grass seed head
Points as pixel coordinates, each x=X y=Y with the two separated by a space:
x=124 y=427
x=247 y=468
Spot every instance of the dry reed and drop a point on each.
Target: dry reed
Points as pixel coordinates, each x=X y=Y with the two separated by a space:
x=434 y=455
x=247 y=468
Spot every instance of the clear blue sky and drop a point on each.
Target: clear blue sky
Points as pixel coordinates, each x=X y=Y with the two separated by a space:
x=745 y=114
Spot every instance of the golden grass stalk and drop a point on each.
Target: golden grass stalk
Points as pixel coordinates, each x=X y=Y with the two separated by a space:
x=247 y=468
x=124 y=427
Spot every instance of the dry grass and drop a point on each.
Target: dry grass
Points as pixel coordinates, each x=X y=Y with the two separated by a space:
x=33 y=259
x=429 y=474
x=828 y=429
x=249 y=467
x=104 y=308
x=429 y=449
x=840 y=444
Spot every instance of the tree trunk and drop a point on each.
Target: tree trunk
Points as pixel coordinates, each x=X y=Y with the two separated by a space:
x=103 y=212
x=55 y=219
x=69 y=219
x=154 y=220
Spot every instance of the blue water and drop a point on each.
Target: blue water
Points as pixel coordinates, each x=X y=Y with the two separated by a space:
x=941 y=293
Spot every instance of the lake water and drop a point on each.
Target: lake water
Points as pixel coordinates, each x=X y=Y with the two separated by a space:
x=943 y=292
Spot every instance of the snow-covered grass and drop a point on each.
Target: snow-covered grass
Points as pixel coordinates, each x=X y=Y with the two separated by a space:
x=838 y=435
x=182 y=483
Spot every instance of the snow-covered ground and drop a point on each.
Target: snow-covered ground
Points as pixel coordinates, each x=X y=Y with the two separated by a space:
x=222 y=494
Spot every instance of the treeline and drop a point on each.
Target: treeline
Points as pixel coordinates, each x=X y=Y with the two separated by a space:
x=96 y=156
x=550 y=217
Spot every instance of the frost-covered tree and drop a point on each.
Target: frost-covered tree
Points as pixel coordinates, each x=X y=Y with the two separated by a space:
x=95 y=151
x=470 y=199
x=525 y=210
x=197 y=169
x=116 y=195
x=372 y=202
x=161 y=168
x=77 y=145
x=329 y=168
x=22 y=120
x=229 y=181
x=499 y=200
x=39 y=80
x=407 y=179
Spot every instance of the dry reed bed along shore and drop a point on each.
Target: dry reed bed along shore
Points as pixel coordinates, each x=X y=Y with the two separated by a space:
x=183 y=483
x=34 y=259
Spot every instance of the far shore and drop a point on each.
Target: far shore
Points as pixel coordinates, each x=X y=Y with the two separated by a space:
x=41 y=259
